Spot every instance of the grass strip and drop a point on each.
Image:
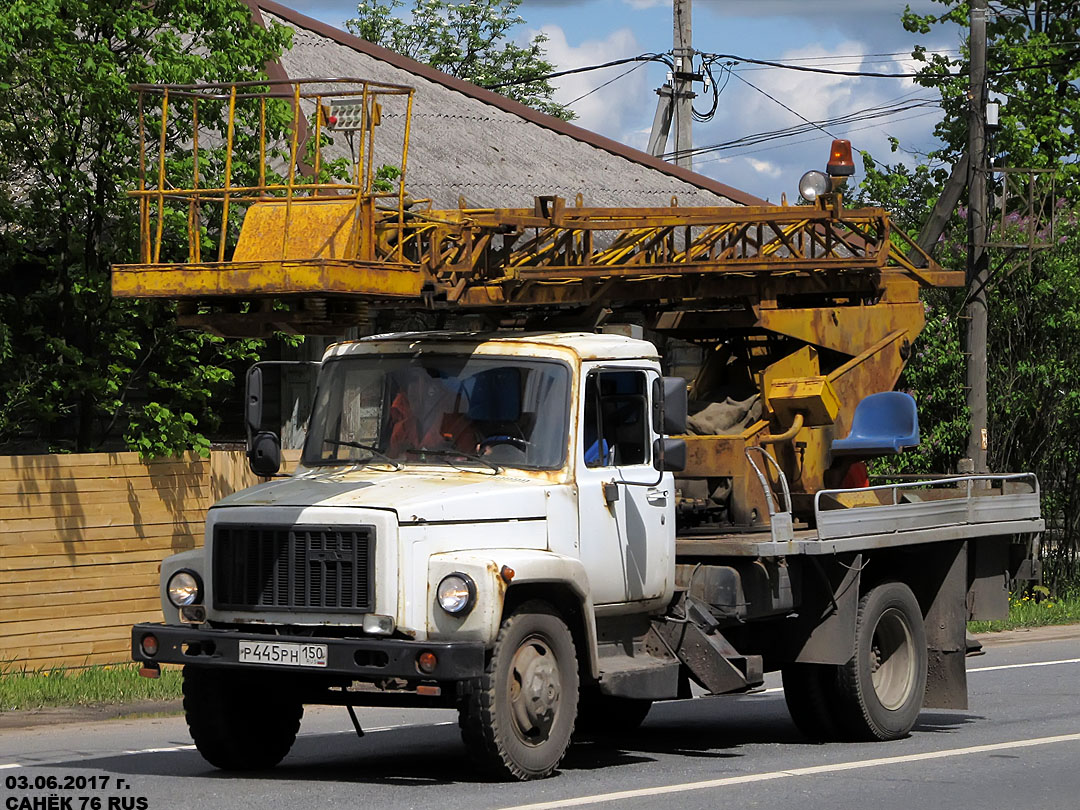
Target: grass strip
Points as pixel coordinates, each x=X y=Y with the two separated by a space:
x=1038 y=609
x=120 y=683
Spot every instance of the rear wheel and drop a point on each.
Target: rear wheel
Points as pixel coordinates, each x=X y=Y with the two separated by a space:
x=519 y=717
x=881 y=688
x=240 y=721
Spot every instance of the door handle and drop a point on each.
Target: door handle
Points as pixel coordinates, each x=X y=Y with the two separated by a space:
x=657 y=497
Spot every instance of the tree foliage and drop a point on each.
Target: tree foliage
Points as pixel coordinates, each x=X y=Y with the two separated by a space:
x=1034 y=380
x=1033 y=69
x=79 y=368
x=467 y=40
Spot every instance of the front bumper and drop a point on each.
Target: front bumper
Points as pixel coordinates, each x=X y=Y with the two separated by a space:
x=363 y=659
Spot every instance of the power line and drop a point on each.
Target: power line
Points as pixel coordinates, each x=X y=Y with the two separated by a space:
x=868 y=114
x=845 y=131
x=645 y=57
x=782 y=104
x=829 y=128
x=872 y=74
x=605 y=84
x=736 y=59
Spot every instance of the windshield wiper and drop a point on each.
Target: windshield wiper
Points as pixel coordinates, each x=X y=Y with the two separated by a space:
x=450 y=453
x=375 y=452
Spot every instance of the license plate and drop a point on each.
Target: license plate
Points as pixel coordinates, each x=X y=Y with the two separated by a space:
x=275 y=652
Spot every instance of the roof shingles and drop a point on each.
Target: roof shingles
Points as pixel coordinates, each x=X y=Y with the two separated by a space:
x=479 y=146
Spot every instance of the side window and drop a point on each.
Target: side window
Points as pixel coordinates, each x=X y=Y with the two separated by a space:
x=616 y=428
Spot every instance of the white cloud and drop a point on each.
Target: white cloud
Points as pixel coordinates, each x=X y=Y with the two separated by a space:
x=610 y=109
x=765 y=167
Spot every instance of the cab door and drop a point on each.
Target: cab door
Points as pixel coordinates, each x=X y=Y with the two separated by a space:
x=626 y=508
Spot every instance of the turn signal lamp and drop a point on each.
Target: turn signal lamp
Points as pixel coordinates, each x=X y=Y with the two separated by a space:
x=840 y=161
x=426 y=662
x=149 y=645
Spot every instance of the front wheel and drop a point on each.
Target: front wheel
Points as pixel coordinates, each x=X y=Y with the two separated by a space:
x=240 y=721
x=881 y=688
x=519 y=717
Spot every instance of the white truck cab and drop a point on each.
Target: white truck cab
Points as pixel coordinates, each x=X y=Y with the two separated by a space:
x=440 y=474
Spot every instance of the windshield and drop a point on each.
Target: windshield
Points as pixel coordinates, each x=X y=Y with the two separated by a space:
x=440 y=409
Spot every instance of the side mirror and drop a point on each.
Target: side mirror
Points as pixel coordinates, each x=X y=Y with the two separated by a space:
x=669 y=455
x=674 y=407
x=264 y=454
x=277 y=401
x=253 y=398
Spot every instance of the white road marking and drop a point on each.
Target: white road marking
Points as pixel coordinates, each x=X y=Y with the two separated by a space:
x=601 y=798
x=175 y=748
x=158 y=750
x=771 y=690
x=1021 y=666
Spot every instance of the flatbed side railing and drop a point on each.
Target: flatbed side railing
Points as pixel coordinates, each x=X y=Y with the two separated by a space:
x=973 y=500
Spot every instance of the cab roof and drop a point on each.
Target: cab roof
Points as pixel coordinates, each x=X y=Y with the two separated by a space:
x=586 y=345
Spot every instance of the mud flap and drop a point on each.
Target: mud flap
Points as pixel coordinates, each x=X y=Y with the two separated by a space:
x=946 y=634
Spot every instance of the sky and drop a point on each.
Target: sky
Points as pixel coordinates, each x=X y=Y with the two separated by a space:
x=853 y=35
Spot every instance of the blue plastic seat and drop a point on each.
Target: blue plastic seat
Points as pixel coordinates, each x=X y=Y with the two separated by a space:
x=597 y=454
x=883 y=424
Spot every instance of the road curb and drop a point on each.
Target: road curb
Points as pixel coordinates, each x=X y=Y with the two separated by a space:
x=1057 y=632
x=59 y=715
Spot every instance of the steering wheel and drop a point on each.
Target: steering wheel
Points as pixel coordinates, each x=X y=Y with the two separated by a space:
x=492 y=441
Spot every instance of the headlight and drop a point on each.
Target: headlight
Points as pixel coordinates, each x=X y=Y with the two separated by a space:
x=813 y=184
x=456 y=594
x=184 y=588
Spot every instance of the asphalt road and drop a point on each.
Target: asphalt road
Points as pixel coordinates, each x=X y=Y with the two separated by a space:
x=1018 y=747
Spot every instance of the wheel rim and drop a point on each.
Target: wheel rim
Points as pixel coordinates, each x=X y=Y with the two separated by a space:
x=892 y=660
x=535 y=689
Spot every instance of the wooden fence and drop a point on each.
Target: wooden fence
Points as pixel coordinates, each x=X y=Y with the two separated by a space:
x=81 y=541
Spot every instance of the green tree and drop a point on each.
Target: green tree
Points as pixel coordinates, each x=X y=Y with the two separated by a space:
x=1033 y=68
x=80 y=369
x=467 y=40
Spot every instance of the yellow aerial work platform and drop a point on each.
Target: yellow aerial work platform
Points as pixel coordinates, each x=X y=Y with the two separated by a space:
x=811 y=306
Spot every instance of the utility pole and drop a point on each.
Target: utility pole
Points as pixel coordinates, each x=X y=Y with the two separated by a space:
x=675 y=105
x=683 y=52
x=977 y=265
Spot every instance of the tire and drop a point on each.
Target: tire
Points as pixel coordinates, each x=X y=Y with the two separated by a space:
x=518 y=718
x=240 y=721
x=881 y=688
x=606 y=715
x=810 y=691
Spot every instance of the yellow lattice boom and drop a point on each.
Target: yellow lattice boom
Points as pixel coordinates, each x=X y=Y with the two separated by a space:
x=822 y=297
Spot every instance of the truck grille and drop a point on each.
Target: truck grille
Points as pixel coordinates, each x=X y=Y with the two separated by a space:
x=301 y=568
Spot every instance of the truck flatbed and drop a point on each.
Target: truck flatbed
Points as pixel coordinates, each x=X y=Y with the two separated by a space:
x=912 y=513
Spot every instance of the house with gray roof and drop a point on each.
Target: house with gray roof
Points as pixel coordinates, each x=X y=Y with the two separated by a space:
x=470 y=144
